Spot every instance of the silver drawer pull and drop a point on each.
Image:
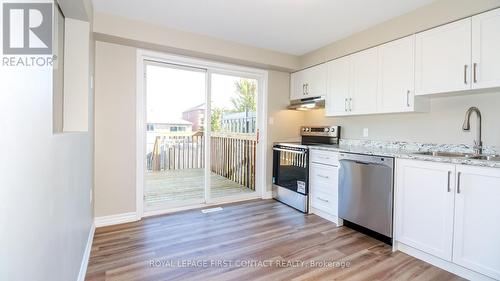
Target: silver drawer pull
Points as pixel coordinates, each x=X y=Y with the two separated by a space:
x=324 y=200
x=325 y=177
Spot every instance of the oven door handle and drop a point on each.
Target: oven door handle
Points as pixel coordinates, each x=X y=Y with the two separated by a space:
x=291 y=151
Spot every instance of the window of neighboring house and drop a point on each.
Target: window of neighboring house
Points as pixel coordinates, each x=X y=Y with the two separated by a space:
x=150 y=127
x=173 y=129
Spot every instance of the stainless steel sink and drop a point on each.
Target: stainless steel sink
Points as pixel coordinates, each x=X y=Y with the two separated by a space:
x=444 y=154
x=461 y=155
x=485 y=157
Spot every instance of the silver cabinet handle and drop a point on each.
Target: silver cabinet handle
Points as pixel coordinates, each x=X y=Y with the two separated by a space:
x=303 y=89
x=458 y=182
x=321 y=176
x=408 y=98
x=475 y=70
x=324 y=200
x=345 y=104
x=449 y=181
x=350 y=104
x=465 y=73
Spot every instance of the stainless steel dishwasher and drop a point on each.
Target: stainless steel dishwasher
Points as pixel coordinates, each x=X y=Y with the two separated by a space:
x=366 y=191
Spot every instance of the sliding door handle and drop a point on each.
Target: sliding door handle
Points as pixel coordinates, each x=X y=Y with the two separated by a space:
x=408 y=98
x=458 y=182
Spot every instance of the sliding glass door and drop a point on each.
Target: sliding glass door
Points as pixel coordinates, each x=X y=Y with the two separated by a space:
x=201 y=136
x=175 y=136
x=233 y=135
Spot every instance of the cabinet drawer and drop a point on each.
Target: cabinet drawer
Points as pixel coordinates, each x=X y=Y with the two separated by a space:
x=324 y=202
x=325 y=157
x=323 y=175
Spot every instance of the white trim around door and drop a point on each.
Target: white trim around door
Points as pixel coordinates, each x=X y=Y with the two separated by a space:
x=212 y=68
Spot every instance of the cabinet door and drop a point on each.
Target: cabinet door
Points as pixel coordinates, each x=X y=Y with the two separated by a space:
x=339 y=87
x=424 y=206
x=442 y=59
x=315 y=80
x=476 y=243
x=297 y=85
x=363 y=99
x=485 y=50
x=396 y=75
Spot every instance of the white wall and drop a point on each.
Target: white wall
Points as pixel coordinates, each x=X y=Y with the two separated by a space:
x=283 y=125
x=45 y=181
x=144 y=35
x=76 y=80
x=115 y=131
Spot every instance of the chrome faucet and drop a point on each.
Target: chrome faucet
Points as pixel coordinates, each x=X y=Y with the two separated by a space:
x=478 y=144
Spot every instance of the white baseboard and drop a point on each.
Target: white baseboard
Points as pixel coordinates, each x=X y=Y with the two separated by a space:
x=336 y=220
x=268 y=194
x=86 y=254
x=116 y=219
x=443 y=264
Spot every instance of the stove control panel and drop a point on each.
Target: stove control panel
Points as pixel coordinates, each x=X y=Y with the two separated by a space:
x=321 y=131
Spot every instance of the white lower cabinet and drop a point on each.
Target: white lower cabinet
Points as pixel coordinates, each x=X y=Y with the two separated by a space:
x=323 y=184
x=476 y=235
x=451 y=212
x=424 y=204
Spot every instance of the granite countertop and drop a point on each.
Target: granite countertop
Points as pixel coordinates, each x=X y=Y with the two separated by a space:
x=408 y=151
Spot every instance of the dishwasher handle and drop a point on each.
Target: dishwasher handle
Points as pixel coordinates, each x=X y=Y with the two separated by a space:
x=366 y=159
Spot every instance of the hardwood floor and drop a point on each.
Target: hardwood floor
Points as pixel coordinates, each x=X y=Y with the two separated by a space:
x=172 y=186
x=252 y=240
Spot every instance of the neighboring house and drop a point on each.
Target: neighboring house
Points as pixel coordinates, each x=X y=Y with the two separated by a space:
x=195 y=115
x=173 y=127
x=239 y=122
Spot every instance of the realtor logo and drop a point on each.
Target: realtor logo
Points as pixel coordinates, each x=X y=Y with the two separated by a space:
x=27 y=28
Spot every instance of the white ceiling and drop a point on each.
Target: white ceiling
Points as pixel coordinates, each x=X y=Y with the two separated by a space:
x=289 y=26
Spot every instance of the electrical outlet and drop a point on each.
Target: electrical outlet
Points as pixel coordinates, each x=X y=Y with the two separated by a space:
x=365 y=132
x=271 y=120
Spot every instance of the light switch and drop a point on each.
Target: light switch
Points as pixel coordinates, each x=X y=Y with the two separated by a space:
x=365 y=132
x=271 y=120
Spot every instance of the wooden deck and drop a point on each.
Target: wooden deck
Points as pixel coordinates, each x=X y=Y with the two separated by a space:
x=228 y=245
x=186 y=184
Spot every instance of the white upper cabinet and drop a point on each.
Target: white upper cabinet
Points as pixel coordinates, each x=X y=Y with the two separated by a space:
x=397 y=75
x=339 y=87
x=424 y=206
x=310 y=82
x=485 y=50
x=443 y=62
x=363 y=99
x=476 y=243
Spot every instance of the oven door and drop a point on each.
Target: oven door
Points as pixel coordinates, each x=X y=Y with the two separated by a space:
x=290 y=168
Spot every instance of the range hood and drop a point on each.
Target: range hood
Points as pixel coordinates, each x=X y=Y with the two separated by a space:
x=307 y=103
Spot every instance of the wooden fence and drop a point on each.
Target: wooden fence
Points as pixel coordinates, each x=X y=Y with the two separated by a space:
x=233 y=156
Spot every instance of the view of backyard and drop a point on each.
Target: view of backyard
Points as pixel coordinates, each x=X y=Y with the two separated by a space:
x=176 y=136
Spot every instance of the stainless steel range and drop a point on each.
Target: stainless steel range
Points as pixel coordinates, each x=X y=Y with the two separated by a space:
x=291 y=165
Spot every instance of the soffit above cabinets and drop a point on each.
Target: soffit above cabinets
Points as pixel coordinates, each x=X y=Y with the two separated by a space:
x=293 y=27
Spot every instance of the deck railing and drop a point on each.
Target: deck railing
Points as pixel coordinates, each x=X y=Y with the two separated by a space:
x=233 y=156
